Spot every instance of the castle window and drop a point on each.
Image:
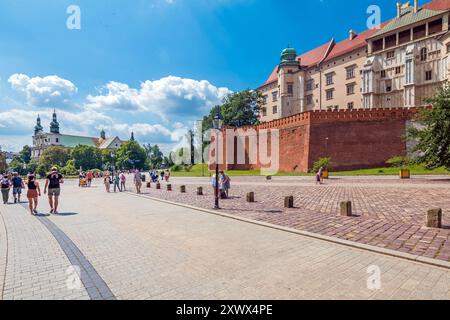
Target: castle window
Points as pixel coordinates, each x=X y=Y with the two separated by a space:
x=390 y=54
x=329 y=79
x=423 y=54
x=350 y=72
x=419 y=32
x=290 y=88
x=329 y=94
x=350 y=106
x=398 y=70
x=435 y=27
x=428 y=75
x=350 y=89
x=274 y=109
x=57 y=140
x=265 y=99
x=309 y=99
x=409 y=67
x=309 y=85
x=383 y=74
x=264 y=111
x=388 y=85
x=275 y=96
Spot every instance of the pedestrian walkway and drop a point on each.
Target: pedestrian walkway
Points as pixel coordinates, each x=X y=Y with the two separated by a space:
x=137 y=248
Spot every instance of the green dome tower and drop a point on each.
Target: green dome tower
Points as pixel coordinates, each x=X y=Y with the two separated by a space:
x=38 y=128
x=54 y=125
x=289 y=57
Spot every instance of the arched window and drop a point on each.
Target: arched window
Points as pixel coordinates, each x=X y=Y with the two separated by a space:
x=423 y=54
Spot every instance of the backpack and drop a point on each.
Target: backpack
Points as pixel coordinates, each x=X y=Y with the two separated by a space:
x=5 y=184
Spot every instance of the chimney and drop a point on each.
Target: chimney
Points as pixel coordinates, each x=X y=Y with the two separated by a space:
x=399 y=9
x=353 y=34
x=416 y=6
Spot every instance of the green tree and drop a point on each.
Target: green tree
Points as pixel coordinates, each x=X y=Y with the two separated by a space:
x=432 y=138
x=156 y=157
x=54 y=156
x=70 y=168
x=87 y=157
x=25 y=154
x=131 y=155
x=238 y=109
x=3 y=164
x=106 y=159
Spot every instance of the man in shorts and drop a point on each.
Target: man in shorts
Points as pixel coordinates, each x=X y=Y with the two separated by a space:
x=137 y=181
x=53 y=184
x=18 y=185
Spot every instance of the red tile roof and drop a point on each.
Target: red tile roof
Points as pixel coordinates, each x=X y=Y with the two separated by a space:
x=317 y=55
x=438 y=5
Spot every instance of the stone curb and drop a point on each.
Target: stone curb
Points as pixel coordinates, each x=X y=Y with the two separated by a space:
x=3 y=254
x=361 y=246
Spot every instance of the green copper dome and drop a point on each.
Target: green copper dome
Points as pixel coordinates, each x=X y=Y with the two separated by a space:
x=38 y=128
x=289 y=57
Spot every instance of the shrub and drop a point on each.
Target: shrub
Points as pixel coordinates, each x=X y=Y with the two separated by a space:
x=322 y=162
x=400 y=162
x=177 y=168
x=188 y=168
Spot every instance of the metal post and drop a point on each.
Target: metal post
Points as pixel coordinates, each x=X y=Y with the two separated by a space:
x=216 y=206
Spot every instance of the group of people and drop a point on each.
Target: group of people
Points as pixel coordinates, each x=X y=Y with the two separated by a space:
x=155 y=176
x=224 y=184
x=118 y=180
x=52 y=187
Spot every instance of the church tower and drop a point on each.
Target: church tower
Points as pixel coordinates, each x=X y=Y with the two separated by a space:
x=291 y=84
x=54 y=125
x=38 y=128
x=103 y=134
x=132 y=136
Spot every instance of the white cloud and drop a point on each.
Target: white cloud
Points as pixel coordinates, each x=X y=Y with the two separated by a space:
x=50 y=91
x=164 y=97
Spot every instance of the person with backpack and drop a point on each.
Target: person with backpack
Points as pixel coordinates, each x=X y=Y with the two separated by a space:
x=107 y=181
x=5 y=187
x=17 y=184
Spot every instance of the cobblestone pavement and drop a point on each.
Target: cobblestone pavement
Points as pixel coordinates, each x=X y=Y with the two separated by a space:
x=388 y=212
x=144 y=249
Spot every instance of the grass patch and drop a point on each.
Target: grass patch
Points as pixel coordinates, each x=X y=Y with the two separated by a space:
x=196 y=171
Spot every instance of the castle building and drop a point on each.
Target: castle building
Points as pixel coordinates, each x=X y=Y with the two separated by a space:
x=42 y=140
x=397 y=65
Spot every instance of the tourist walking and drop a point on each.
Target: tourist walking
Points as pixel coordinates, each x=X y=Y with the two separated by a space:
x=162 y=175
x=53 y=184
x=116 y=181
x=33 y=194
x=319 y=176
x=123 y=181
x=107 y=182
x=5 y=187
x=17 y=184
x=89 y=178
x=138 y=181
x=167 y=176
x=225 y=184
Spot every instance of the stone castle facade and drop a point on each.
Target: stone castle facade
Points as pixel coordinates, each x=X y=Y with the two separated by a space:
x=351 y=101
x=397 y=65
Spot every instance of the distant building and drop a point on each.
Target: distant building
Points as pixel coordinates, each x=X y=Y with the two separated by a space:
x=42 y=140
x=396 y=66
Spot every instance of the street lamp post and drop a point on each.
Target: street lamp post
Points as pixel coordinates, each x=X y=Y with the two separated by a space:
x=217 y=123
x=113 y=167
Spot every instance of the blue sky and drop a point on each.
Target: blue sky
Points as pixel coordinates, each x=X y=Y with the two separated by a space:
x=151 y=66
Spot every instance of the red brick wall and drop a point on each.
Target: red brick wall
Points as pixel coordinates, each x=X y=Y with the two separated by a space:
x=358 y=144
x=356 y=139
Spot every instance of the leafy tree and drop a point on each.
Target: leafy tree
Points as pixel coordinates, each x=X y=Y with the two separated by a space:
x=25 y=154
x=106 y=158
x=3 y=164
x=54 y=156
x=70 y=168
x=156 y=157
x=238 y=109
x=87 y=157
x=131 y=155
x=432 y=137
